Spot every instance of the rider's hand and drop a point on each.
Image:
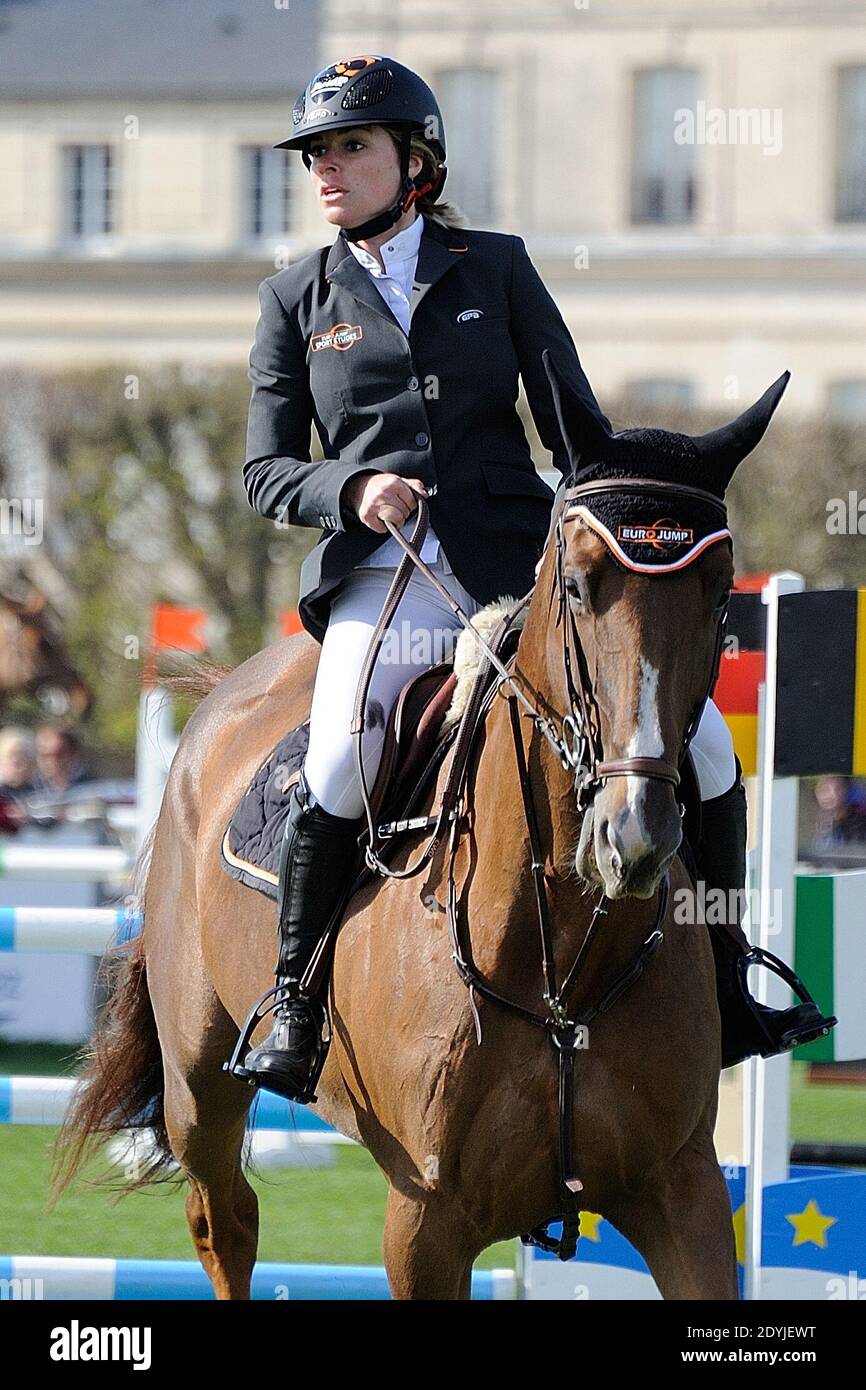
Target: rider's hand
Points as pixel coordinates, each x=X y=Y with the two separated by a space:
x=383 y=494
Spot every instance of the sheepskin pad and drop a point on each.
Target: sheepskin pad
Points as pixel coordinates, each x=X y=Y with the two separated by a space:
x=468 y=654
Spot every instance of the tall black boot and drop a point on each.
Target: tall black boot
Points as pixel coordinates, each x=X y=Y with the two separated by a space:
x=748 y=1028
x=318 y=854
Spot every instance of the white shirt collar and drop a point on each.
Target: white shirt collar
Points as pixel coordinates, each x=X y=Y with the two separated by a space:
x=402 y=247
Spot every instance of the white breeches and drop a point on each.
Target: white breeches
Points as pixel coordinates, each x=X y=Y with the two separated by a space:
x=423 y=631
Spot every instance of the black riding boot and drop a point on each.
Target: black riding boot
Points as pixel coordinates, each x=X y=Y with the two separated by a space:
x=318 y=853
x=747 y=1026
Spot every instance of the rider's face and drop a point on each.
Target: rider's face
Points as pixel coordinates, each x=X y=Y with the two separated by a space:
x=364 y=164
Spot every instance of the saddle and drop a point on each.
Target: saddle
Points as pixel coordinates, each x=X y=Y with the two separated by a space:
x=413 y=732
x=416 y=741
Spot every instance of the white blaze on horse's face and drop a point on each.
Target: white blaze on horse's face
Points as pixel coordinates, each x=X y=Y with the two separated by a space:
x=645 y=742
x=632 y=847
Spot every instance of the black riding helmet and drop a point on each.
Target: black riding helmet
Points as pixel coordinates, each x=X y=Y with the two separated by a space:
x=372 y=90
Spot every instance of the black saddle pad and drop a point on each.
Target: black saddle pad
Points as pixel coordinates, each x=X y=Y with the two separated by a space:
x=251 y=844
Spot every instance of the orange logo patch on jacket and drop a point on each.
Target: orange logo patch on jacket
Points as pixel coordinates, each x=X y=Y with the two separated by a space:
x=342 y=336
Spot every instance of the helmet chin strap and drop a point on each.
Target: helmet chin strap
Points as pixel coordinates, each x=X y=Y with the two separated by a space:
x=409 y=191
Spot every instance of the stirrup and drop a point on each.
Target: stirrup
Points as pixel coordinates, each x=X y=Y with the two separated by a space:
x=270 y=1001
x=756 y=955
x=564 y=1246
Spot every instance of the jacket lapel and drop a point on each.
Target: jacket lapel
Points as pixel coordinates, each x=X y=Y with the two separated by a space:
x=439 y=248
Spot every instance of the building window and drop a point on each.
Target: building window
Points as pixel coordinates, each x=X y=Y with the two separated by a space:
x=663 y=185
x=470 y=109
x=847 y=401
x=851 y=145
x=266 y=195
x=664 y=393
x=88 y=191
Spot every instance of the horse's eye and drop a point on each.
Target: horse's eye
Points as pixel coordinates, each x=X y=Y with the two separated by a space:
x=572 y=588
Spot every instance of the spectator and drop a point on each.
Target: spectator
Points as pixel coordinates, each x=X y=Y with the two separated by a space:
x=18 y=773
x=58 y=755
x=841 y=812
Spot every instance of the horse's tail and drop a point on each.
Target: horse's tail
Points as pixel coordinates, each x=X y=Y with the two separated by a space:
x=122 y=1084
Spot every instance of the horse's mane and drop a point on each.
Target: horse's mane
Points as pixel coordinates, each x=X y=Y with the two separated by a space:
x=196 y=678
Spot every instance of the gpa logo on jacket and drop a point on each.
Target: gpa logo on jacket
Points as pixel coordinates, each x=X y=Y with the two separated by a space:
x=468 y=314
x=342 y=336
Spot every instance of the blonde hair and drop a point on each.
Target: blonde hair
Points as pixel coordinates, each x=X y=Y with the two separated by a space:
x=440 y=209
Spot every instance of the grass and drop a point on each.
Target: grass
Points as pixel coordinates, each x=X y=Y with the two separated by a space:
x=307 y=1215
x=333 y=1214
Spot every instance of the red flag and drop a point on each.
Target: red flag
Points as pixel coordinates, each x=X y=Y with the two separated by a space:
x=177 y=628
x=290 y=622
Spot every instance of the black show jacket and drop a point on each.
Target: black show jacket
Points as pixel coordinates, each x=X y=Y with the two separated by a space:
x=438 y=405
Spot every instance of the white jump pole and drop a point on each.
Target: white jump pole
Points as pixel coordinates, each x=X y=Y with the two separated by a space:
x=64 y=863
x=767 y=1091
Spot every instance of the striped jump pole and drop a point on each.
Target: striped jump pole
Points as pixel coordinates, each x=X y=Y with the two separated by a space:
x=65 y=863
x=43 y=1100
x=89 y=930
x=56 y=1277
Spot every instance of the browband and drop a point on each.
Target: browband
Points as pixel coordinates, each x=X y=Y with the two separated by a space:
x=644 y=485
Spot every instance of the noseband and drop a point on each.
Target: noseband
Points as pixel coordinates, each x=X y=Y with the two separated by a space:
x=580 y=742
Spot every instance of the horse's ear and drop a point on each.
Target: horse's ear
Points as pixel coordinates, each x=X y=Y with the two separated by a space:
x=722 y=450
x=584 y=430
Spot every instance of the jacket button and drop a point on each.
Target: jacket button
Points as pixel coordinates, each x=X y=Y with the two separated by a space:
x=413 y=383
x=421 y=439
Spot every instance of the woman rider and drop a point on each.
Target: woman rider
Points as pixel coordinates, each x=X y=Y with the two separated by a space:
x=403 y=342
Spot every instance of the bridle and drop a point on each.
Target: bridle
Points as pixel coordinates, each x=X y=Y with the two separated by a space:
x=580 y=743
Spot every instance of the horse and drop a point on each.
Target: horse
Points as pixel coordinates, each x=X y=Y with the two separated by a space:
x=32 y=658
x=456 y=1097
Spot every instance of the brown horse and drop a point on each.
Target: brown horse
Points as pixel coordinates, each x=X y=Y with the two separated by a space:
x=465 y=1134
x=32 y=659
